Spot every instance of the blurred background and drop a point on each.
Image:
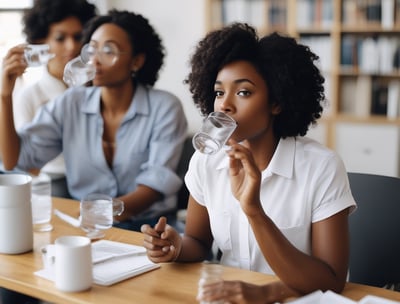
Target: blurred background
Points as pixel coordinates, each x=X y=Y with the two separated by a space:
x=358 y=42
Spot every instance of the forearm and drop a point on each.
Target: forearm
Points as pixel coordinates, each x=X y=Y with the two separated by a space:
x=303 y=273
x=9 y=140
x=192 y=250
x=138 y=201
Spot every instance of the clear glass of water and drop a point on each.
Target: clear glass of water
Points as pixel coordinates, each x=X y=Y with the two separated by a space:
x=41 y=202
x=77 y=72
x=97 y=213
x=37 y=54
x=214 y=133
x=210 y=274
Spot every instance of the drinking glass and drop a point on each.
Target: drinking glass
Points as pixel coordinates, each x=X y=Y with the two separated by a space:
x=41 y=202
x=210 y=274
x=37 y=54
x=77 y=72
x=215 y=131
x=97 y=212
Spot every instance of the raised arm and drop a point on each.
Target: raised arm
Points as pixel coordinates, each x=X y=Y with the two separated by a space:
x=326 y=266
x=13 y=66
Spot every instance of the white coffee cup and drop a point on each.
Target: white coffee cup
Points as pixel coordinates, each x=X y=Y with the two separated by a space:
x=16 y=234
x=73 y=263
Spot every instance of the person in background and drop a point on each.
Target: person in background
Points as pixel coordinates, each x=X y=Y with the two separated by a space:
x=58 y=24
x=276 y=202
x=120 y=136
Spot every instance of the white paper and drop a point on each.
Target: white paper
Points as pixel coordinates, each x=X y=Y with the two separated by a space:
x=330 y=297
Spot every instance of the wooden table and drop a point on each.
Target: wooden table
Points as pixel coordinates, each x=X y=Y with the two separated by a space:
x=172 y=283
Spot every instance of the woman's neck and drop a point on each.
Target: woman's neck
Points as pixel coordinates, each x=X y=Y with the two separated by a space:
x=117 y=100
x=263 y=148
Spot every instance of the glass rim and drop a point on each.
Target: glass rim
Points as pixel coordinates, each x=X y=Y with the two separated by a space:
x=223 y=116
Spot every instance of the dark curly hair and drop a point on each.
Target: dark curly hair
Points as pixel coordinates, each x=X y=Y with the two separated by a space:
x=143 y=38
x=37 y=20
x=294 y=83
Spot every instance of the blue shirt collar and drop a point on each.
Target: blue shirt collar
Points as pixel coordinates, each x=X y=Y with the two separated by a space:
x=139 y=105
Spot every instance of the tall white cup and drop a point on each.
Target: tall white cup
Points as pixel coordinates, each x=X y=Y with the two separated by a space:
x=73 y=263
x=16 y=235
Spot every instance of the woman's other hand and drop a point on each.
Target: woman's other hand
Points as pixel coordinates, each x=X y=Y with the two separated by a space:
x=163 y=243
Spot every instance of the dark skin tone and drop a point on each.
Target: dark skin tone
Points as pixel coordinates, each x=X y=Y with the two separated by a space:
x=116 y=85
x=243 y=94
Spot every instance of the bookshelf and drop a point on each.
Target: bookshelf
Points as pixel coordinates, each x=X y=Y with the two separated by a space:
x=358 y=42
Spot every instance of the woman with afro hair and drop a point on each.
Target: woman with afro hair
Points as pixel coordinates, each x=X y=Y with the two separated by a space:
x=275 y=201
x=59 y=24
x=120 y=136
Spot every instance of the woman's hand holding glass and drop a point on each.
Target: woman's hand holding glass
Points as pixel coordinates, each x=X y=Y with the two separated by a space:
x=163 y=243
x=13 y=66
x=245 y=178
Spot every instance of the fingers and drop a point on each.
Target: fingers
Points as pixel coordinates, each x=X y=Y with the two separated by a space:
x=226 y=291
x=161 y=224
x=159 y=241
x=13 y=65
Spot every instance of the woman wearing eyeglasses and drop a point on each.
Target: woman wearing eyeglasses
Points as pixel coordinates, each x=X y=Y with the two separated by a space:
x=119 y=137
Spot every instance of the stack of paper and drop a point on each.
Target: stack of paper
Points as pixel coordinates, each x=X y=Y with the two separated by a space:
x=112 y=262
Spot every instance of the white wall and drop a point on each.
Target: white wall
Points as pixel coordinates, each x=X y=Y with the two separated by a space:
x=181 y=24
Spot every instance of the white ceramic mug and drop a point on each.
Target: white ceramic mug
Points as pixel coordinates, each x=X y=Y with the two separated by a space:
x=16 y=234
x=73 y=263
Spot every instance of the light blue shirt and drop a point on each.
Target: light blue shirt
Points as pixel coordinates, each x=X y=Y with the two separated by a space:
x=149 y=143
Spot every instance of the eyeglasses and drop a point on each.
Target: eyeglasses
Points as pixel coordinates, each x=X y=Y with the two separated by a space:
x=107 y=55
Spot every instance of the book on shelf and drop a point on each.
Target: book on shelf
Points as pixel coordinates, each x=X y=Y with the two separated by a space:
x=251 y=12
x=388 y=11
x=363 y=96
x=370 y=12
x=393 y=102
x=379 y=97
x=277 y=13
x=311 y=13
x=357 y=51
x=347 y=96
x=321 y=45
x=349 y=51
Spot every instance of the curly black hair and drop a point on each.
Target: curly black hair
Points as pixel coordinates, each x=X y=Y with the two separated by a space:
x=143 y=38
x=294 y=83
x=37 y=20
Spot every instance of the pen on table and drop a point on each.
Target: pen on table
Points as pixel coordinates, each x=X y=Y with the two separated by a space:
x=67 y=218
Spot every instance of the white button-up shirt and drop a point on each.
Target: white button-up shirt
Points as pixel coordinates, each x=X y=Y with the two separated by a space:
x=304 y=183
